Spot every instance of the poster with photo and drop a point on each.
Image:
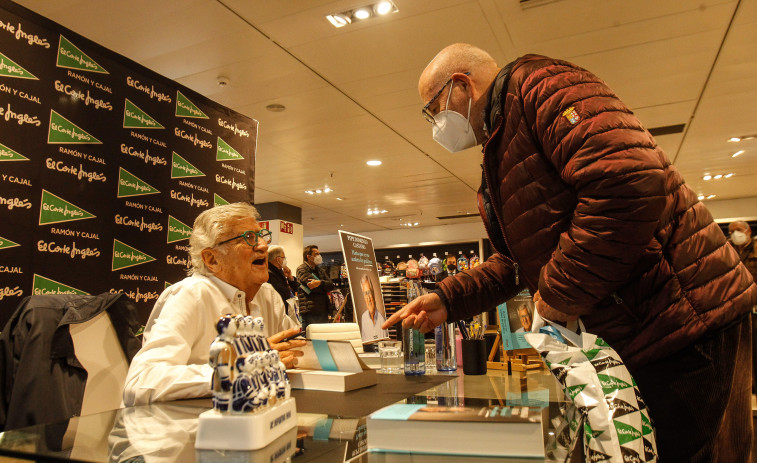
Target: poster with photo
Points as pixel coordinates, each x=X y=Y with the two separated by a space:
x=515 y=318
x=365 y=289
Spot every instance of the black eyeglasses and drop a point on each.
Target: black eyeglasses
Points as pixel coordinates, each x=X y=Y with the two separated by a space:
x=252 y=238
x=426 y=113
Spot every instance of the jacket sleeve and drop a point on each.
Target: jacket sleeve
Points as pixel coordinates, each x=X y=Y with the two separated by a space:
x=602 y=151
x=479 y=289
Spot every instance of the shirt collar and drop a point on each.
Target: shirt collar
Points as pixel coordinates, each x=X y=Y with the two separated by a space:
x=230 y=292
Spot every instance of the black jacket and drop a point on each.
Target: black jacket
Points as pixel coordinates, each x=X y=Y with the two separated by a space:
x=280 y=283
x=314 y=302
x=41 y=380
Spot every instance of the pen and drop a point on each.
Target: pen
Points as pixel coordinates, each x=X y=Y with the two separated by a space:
x=295 y=336
x=463 y=330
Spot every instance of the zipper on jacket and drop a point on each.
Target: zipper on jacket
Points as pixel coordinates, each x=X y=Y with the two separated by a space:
x=517 y=279
x=617 y=298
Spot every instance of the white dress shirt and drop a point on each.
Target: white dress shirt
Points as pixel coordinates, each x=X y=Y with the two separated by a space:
x=173 y=361
x=370 y=330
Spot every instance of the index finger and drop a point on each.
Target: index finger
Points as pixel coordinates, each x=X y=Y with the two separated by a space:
x=276 y=338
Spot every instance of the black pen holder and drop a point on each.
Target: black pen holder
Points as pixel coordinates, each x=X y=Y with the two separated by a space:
x=474 y=356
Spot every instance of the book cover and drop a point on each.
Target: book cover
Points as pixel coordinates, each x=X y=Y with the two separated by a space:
x=458 y=430
x=330 y=366
x=515 y=319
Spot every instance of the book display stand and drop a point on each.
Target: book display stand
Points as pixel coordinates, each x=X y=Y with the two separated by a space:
x=513 y=360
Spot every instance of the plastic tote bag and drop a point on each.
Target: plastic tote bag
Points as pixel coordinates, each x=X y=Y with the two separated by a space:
x=606 y=412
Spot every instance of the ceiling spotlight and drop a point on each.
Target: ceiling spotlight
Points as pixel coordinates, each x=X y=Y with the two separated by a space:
x=710 y=196
x=222 y=81
x=384 y=211
x=370 y=212
x=310 y=192
x=707 y=177
x=737 y=153
x=728 y=175
x=383 y=7
x=718 y=177
x=700 y=197
x=374 y=163
x=318 y=191
x=734 y=139
x=326 y=190
x=362 y=13
x=415 y=224
x=340 y=199
x=339 y=19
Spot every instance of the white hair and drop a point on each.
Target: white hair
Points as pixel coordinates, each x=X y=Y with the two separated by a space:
x=274 y=252
x=211 y=224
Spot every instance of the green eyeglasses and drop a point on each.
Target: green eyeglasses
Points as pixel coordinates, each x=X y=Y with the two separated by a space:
x=252 y=238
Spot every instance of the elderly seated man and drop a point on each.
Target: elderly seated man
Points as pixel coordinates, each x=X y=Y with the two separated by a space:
x=229 y=271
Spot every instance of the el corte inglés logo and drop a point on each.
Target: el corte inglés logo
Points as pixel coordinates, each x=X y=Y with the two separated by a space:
x=6 y=243
x=42 y=285
x=54 y=209
x=181 y=168
x=135 y=118
x=7 y=154
x=9 y=68
x=177 y=230
x=126 y=256
x=611 y=383
x=70 y=57
x=185 y=108
x=218 y=201
x=626 y=432
x=131 y=185
x=64 y=131
x=224 y=152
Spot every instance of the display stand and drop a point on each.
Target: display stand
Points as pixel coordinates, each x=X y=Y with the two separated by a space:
x=245 y=431
x=513 y=360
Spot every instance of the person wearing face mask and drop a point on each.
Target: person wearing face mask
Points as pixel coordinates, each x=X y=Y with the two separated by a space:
x=586 y=211
x=741 y=239
x=314 y=287
x=280 y=276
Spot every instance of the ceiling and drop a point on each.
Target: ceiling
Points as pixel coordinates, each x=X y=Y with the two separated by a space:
x=351 y=93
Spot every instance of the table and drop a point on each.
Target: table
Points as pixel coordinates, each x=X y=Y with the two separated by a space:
x=331 y=427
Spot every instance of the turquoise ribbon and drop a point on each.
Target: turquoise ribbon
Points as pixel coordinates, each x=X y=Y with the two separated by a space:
x=322 y=351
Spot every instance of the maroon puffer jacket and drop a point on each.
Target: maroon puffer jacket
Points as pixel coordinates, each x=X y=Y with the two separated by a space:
x=596 y=218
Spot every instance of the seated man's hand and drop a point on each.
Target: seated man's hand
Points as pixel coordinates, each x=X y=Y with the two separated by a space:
x=289 y=357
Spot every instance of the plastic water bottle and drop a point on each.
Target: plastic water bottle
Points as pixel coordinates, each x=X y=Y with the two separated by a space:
x=446 y=358
x=413 y=350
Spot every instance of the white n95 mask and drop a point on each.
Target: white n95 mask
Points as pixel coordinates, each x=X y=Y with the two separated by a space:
x=738 y=238
x=452 y=130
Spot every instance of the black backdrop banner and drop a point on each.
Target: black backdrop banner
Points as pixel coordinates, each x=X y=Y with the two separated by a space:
x=104 y=166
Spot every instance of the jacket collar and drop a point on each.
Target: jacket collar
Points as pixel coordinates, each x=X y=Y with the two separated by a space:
x=495 y=106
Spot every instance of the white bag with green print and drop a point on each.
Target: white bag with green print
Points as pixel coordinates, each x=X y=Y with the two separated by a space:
x=607 y=410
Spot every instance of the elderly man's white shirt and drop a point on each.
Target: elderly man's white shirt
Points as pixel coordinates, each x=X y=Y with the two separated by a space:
x=173 y=361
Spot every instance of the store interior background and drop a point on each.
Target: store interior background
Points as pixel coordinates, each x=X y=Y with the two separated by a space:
x=330 y=99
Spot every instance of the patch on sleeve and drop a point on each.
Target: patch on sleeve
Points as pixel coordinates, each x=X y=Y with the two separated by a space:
x=572 y=115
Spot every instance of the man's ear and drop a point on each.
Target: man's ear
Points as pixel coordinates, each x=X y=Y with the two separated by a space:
x=211 y=260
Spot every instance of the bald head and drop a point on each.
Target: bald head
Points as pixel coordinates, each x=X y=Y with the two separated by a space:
x=458 y=57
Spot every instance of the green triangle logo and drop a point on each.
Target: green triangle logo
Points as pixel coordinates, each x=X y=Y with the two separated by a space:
x=218 y=201
x=126 y=256
x=131 y=185
x=601 y=342
x=185 y=108
x=573 y=391
x=590 y=354
x=589 y=432
x=166 y=284
x=181 y=168
x=135 y=118
x=9 y=68
x=42 y=285
x=611 y=383
x=646 y=425
x=565 y=361
x=7 y=154
x=224 y=152
x=69 y=56
x=177 y=230
x=54 y=209
x=64 y=131
x=626 y=433
x=6 y=243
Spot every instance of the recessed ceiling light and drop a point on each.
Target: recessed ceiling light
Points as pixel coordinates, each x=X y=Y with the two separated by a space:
x=707 y=177
x=310 y=192
x=374 y=162
x=728 y=175
x=737 y=153
x=734 y=139
x=339 y=19
x=362 y=13
x=318 y=191
x=718 y=177
x=326 y=190
x=710 y=196
x=700 y=197
x=383 y=7
x=340 y=199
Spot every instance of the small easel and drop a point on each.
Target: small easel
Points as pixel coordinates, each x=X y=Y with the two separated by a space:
x=513 y=360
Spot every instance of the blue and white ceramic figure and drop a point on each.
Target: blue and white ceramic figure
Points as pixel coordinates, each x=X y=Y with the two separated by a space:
x=222 y=356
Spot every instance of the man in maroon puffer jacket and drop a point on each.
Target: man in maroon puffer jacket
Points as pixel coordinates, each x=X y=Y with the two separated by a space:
x=586 y=211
